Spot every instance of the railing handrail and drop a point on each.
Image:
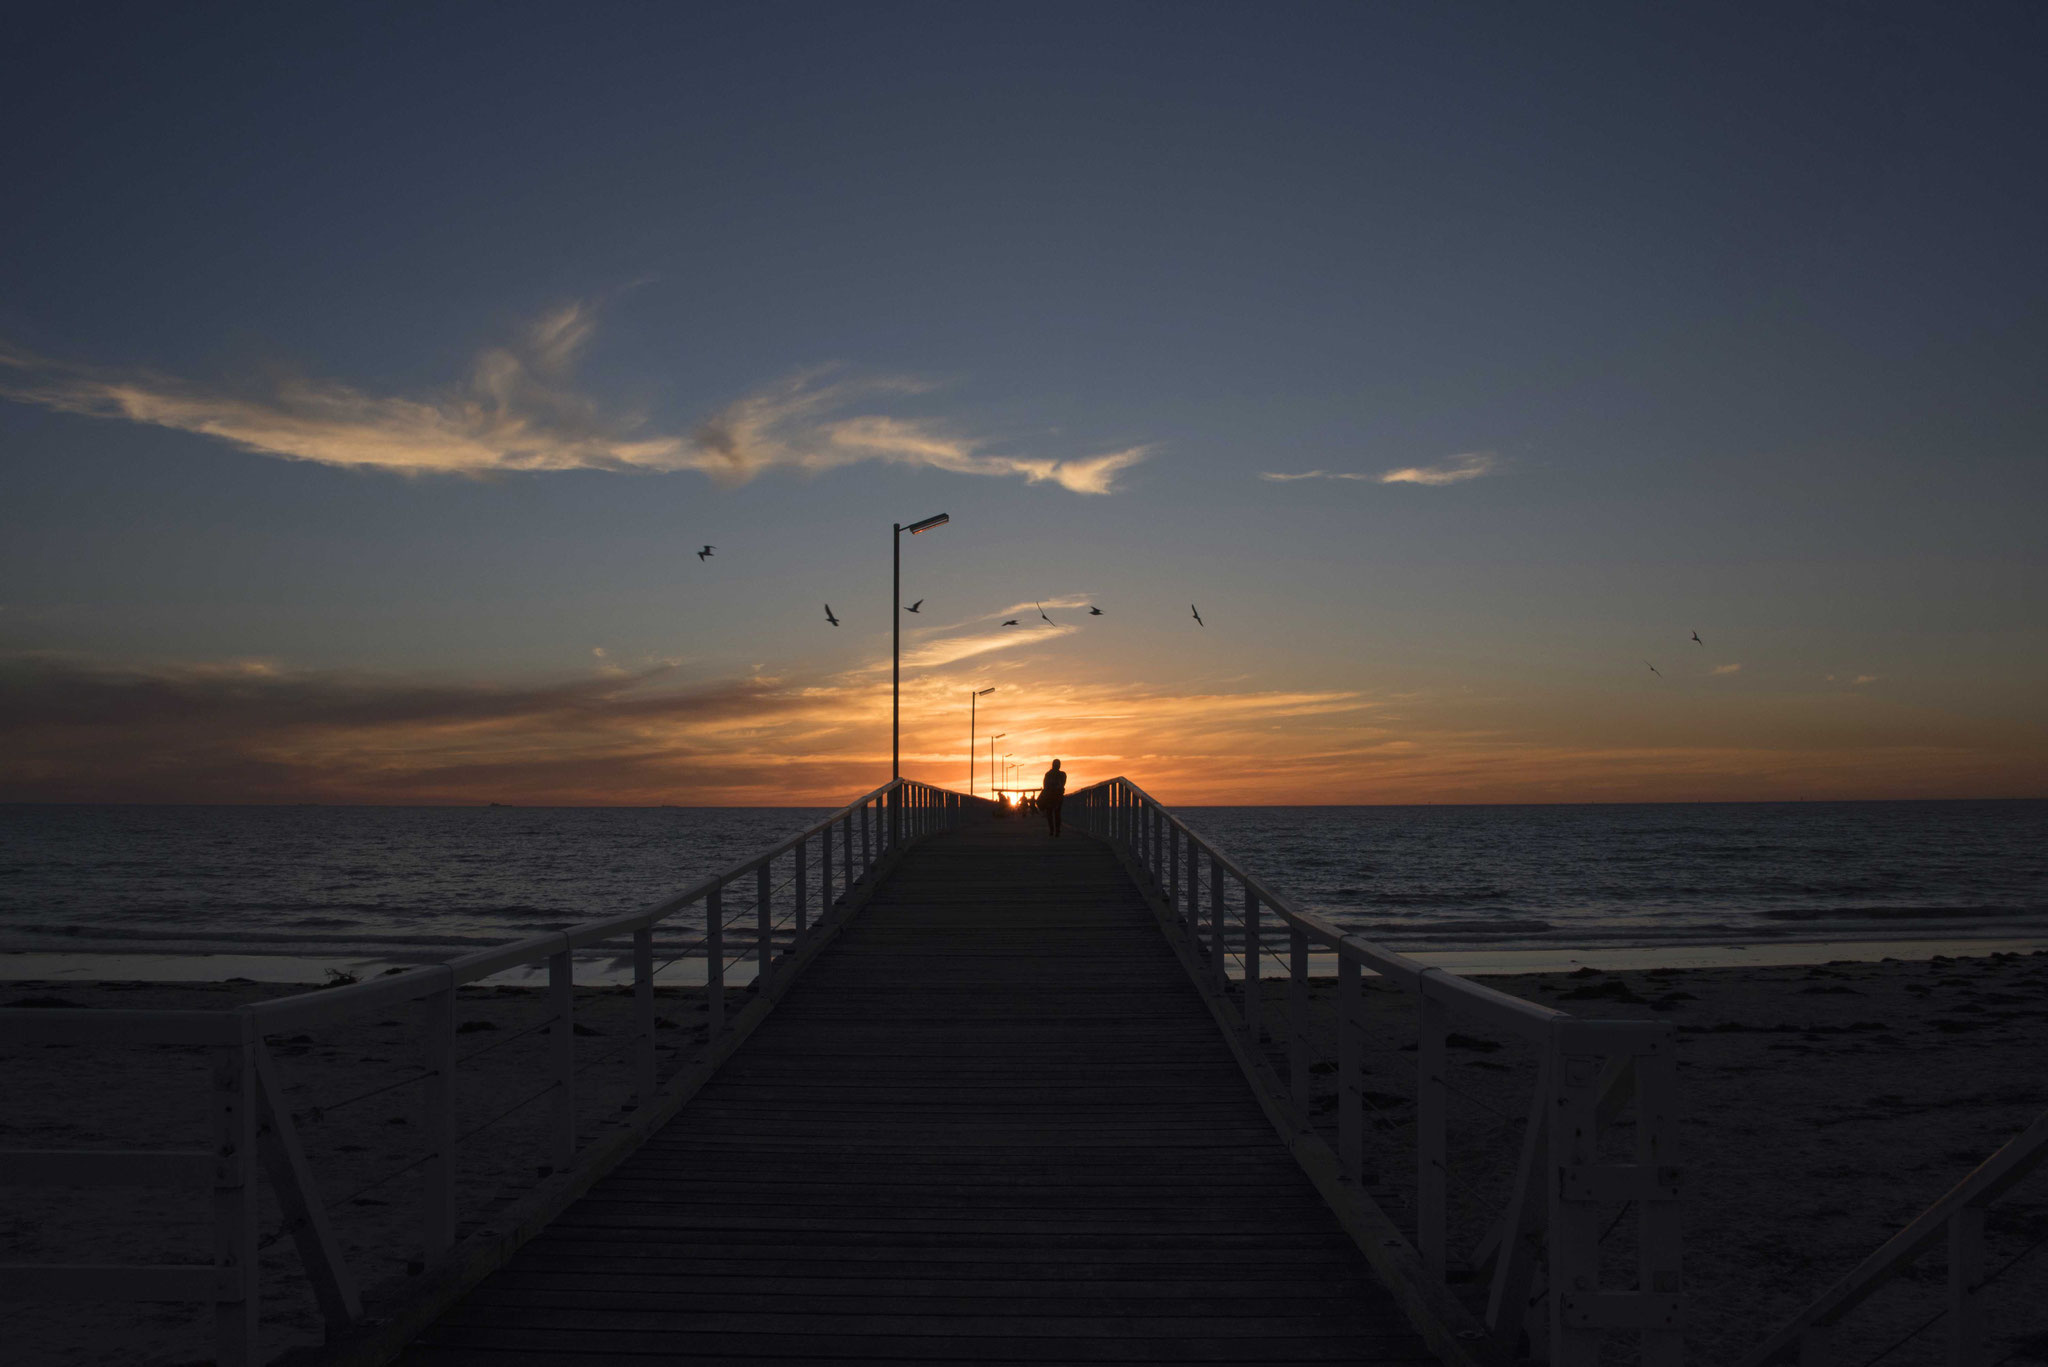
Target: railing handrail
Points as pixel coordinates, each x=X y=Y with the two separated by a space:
x=1587 y=1071
x=1527 y=1018
x=326 y=1003
x=247 y=1082
x=1991 y=1179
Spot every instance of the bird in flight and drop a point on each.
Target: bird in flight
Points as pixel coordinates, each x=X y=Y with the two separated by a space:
x=1198 y=615
x=1094 y=611
x=829 y=617
x=1041 y=613
x=1696 y=637
x=705 y=554
x=1653 y=669
x=915 y=606
x=1012 y=622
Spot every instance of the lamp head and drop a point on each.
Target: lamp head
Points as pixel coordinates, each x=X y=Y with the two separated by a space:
x=985 y=692
x=926 y=525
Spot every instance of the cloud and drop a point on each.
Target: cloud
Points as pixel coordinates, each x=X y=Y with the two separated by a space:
x=1450 y=470
x=1728 y=669
x=82 y=730
x=1864 y=679
x=518 y=411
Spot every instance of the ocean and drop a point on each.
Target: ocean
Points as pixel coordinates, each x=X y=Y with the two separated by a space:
x=411 y=884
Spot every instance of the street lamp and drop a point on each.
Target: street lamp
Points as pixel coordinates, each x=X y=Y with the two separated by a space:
x=972 y=698
x=896 y=633
x=992 y=759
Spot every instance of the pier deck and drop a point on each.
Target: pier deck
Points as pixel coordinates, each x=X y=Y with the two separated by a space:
x=993 y=1122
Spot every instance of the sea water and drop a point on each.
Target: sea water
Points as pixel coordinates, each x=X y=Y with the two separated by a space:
x=409 y=884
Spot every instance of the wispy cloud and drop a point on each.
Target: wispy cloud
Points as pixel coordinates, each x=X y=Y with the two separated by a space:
x=1728 y=669
x=519 y=410
x=1864 y=679
x=80 y=730
x=1450 y=470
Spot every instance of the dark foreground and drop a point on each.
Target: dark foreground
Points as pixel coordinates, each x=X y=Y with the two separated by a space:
x=985 y=1127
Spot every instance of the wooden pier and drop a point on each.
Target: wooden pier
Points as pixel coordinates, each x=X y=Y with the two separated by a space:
x=994 y=1122
x=990 y=1097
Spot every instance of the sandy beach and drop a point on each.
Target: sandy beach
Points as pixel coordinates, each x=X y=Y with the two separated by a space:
x=1824 y=1106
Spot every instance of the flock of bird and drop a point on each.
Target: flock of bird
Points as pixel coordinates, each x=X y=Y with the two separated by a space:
x=1093 y=611
x=1660 y=673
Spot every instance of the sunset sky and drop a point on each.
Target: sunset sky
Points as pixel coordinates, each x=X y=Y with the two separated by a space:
x=369 y=376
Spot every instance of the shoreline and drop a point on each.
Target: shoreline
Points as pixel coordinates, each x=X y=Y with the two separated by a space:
x=600 y=969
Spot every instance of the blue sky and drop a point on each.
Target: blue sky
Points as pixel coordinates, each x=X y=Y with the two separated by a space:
x=406 y=353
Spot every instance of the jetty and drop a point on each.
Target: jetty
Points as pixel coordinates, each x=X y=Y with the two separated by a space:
x=965 y=1093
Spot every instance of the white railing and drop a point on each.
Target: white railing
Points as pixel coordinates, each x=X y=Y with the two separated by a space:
x=1959 y=1217
x=252 y=1123
x=1541 y=1254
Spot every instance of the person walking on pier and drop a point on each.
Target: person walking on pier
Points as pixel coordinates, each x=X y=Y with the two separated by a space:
x=1052 y=795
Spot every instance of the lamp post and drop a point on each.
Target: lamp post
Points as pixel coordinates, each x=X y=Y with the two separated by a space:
x=972 y=699
x=896 y=633
x=992 y=759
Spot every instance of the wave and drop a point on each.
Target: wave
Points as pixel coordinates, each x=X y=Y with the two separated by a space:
x=1900 y=913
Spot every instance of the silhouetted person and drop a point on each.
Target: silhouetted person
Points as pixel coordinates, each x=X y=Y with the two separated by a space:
x=1052 y=795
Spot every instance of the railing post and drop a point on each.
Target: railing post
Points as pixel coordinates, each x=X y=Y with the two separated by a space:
x=1158 y=861
x=1297 y=1017
x=867 y=840
x=1574 y=1273
x=1173 y=877
x=825 y=873
x=714 y=961
x=1218 y=962
x=562 y=1046
x=237 y=1311
x=1254 y=950
x=1658 y=1235
x=846 y=843
x=1194 y=898
x=764 y=924
x=803 y=889
x=1350 y=1063
x=643 y=1016
x=437 y=1122
x=1432 y=1154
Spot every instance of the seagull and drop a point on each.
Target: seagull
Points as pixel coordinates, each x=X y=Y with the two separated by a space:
x=1198 y=615
x=1012 y=622
x=1653 y=669
x=915 y=606
x=705 y=554
x=1042 y=616
x=829 y=617
x=1696 y=637
x=1094 y=612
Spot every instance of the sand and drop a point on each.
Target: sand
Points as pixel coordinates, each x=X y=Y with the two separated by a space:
x=1823 y=1107
x=354 y=1131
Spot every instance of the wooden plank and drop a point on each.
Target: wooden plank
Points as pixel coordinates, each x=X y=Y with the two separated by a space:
x=995 y=1123
x=106 y=1168
x=79 y=1282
